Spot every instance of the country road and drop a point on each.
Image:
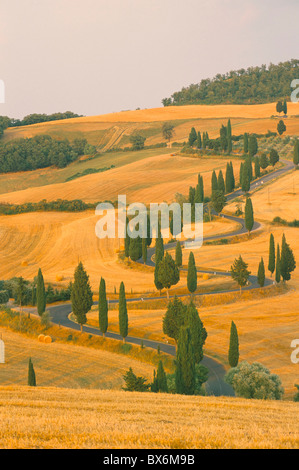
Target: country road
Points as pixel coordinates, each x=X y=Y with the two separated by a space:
x=216 y=385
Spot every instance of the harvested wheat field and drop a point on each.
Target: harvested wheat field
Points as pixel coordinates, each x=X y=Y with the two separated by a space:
x=65 y=365
x=57 y=418
x=155 y=179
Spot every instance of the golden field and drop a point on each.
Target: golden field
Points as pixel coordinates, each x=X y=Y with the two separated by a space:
x=64 y=418
x=65 y=364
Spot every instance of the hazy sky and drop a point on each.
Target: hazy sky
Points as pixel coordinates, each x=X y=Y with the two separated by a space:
x=99 y=56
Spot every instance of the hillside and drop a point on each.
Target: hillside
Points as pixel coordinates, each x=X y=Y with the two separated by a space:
x=64 y=418
x=253 y=85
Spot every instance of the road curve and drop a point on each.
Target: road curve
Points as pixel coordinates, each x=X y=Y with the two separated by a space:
x=215 y=385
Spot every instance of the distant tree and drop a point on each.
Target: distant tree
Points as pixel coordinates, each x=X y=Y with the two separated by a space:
x=277 y=270
x=135 y=248
x=254 y=381
x=281 y=127
x=214 y=182
x=252 y=146
x=257 y=167
x=144 y=250
x=218 y=201
x=192 y=274
x=161 y=379
x=223 y=138
x=21 y=292
x=232 y=176
x=245 y=140
x=122 y=313
x=174 y=318
x=40 y=293
x=229 y=178
x=134 y=383
x=137 y=141
x=274 y=157
x=233 y=352
x=185 y=364
x=178 y=255
x=287 y=260
x=249 y=217
x=127 y=240
x=198 y=332
x=81 y=295
x=168 y=131
x=31 y=374
x=239 y=272
x=220 y=181
x=285 y=107
x=168 y=274
x=246 y=176
x=261 y=273
x=279 y=107
x=192 y=137
x=229 y=137
x=296 y=397
x=159 y=253
x=271 y=264
x=103 y=307
x=264 y=162
x=199 y=140
x=296 y=153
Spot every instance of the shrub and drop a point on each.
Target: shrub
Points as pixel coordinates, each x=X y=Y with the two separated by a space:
x=134 y=383
x=254 y=381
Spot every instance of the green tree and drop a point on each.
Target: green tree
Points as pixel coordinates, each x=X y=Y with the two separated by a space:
x=279 y=107
x=252 y=146
x=123 y=313
x=127 y=240
x=223 y=138
x=31 y=374
x=274 y=157
x=161 y=379
x=192 y=274
x=81 y=296
x=192 y=137
x=245 y=140
x=233 y=351
x=277 y=270
x=198 y=141
x=178 y=255
x=214 y=182
x=103 y=307
x=144 y=250
x=296 y=153
x=21 y=292
x=174 y=318
x=254 y=381
x=40 y=293
x=249 y=217
x=137 y=141
x=229 y=137
x=261 y=273
x=135 y=248
x=271 y=263
x=264 y=162
x=198 y=333
x=239 y=272
x=168 y=273
x=287 y=260
x=134 y=383
x=220 y=182
x=281 y=127
x=285 y=107
x=257 y=167
x=185 y=364
x=168 y=131
x=246 y=176
x=218 y=201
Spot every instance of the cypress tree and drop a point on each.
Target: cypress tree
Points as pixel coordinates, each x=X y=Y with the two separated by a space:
x=191 y=195
x=261 y=273
x=233 y=352
x=257 y=167
x=241 y=173
x=178 y=255
x=192 y=137
x=232 y=176
x=228 y=179
x=252 y=146
x=81 y=296
x=198 y=332
x=229 y=137
x=249 y=217
x=122 y=313
x=185 y=364
x=220 y=182
x=168 y=272
x=271 y=263
x=245 y=176
x=239 y=272
x=223 y=138
x=296 y=153
x=198 y=142
x=161 y=379
x=144 y=250
x=277 y=271
x=285 y=107
x=287 y=260
x=31 y=374
x=174 y=318
x=103 y=307
x=158 y=258
x=135 y=248
x=214 y=182
x=192 y=274
x=204 y=140
x=245 y=142
x=127 y=240
x=40 y=293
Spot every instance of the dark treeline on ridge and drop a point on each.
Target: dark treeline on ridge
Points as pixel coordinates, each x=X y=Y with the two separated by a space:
x=251 y=86
x=36 y=118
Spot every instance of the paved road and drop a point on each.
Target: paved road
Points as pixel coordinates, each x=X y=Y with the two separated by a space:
x=215 y=385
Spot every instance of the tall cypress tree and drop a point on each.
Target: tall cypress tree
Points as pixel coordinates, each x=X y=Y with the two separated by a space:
x=228 y=179
x=261 y=273
x=271 y=263
x=249 y=217
x=185 y=364
x=245 y=178
x=178 y=255
x=277 y=270
x=233 y=352
x=144 y=250
x=192 y=137
x=168 y=273
x=127 y=240
x=192 y=274
x=257 y=167
x=159 y=253
x=229 y=137
x=161 y=380
x=31 y=374
x=296 y=153
x=232 y=176
x=198 y=332
x=81 y=295
x=245 y=140
x=123 y=313
x=103 y=307
x=214 y=182
x=287 y=260
x=40 y=293
x=220 y=182
x=198 y=142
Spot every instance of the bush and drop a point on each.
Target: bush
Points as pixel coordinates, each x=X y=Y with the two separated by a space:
x=4 y=296
x=254 y=381
x=296 y=397
x=134 y=383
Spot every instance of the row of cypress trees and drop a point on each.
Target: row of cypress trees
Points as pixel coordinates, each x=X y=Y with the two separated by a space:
x=281 y=260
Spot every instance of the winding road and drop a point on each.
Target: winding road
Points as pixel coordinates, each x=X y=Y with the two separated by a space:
x=215 y=385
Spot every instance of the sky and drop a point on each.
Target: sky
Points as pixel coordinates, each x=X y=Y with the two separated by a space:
x=99 y=56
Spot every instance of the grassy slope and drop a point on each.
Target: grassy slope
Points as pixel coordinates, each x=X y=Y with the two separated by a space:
x=58 y=418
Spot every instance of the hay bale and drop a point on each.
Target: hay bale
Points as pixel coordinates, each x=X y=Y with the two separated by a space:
x=59 y=278
x=24 y=263
x=41 y=338
x=48 y=339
